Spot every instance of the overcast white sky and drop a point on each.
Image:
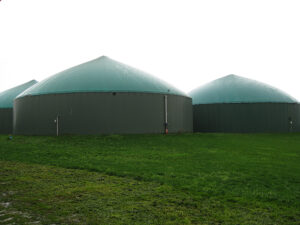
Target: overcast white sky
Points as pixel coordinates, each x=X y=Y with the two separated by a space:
x=186 y=43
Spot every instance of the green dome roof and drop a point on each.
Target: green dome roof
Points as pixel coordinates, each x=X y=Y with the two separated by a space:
x=236 y=89
x=101 y=75
x=7 y=97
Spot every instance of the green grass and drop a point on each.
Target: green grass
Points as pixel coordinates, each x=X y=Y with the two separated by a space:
x=195 y=178
x=47 y=195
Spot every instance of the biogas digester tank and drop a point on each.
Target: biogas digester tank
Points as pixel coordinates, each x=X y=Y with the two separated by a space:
x=102 y=96
x=6 y=106
x=240 y=105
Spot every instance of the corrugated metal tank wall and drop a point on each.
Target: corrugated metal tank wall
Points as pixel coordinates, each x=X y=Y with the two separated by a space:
x=6 y=118
x=247 y=117
x=101 y=113
x=6 y=106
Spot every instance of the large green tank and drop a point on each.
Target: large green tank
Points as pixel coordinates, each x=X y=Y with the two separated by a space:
x=6 y=106
x=237 y=104
x=102 y=96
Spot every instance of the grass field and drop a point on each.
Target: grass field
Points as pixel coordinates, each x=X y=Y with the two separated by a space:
x=151 y=179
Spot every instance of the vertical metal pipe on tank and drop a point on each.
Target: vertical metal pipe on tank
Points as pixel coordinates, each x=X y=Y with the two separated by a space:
x=291 y=125
x=57 y=126
x=166 y=114
x=56 y=121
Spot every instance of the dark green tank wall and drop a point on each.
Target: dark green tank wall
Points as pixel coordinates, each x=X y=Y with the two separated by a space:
x=247 y=117
x=6 y=121
x=101 y=113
